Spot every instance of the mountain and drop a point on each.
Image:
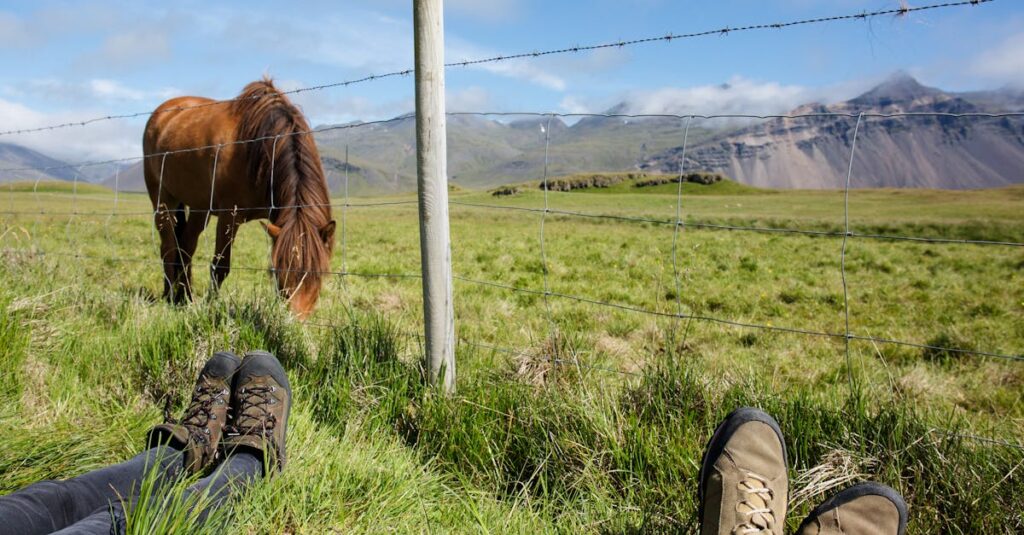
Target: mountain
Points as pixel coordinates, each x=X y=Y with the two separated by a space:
x=484 y=152
x=925 y=151
x=814 y=152
x=15 y=156
x=1005 y=99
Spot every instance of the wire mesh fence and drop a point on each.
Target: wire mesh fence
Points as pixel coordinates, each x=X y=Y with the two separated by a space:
x=81 y=209
x=85 y=211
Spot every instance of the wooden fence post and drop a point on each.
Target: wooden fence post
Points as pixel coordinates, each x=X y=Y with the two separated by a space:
x=432 y=185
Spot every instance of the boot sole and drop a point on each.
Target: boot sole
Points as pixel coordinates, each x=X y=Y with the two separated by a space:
x=724 y=431
x=859 y=490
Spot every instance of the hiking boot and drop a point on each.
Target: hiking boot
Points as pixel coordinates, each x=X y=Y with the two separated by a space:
x=260 y=401
x=199 y=432
x=865 y=508
x=743 y=480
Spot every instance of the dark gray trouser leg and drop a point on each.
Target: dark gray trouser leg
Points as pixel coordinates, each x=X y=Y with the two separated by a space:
x=99 y=523
x=48 y=506
x=234 y=474
x=237 y=472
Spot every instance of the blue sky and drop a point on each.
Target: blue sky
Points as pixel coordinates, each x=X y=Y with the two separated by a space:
x=73 y=60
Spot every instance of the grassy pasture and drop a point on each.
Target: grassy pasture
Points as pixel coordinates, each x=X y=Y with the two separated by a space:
x=92 y=357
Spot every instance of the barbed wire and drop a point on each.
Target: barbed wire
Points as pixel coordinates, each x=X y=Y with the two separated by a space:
x=722 y=31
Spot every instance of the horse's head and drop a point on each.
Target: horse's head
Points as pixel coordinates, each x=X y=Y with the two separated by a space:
x=301 y=256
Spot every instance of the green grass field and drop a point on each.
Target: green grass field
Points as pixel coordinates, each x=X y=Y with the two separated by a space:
x=597 y=421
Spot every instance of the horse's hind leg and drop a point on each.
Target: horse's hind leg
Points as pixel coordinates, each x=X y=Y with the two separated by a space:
x=188 y=240
x=166 y=221
x=227 y=227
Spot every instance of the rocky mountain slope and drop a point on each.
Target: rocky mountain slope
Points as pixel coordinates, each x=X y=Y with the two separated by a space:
x=15 y=156
x=932 y=152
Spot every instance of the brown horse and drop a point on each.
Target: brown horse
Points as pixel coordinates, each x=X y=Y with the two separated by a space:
x=198 y=164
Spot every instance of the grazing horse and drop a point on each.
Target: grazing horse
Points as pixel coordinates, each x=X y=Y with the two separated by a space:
x=198 y=163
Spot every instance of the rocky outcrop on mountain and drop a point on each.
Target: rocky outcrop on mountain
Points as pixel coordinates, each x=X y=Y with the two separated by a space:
x=920 y=151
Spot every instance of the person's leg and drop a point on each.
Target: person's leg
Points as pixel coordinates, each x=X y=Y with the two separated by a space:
x=190 y=445
x=232 y=476
x=48 y=506
x=237 y=472
x=104 y=521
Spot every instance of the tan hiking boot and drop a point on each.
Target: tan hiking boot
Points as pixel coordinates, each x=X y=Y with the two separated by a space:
x=198 y=433
x=743 y=478
x=865 y=508
x=260 y=401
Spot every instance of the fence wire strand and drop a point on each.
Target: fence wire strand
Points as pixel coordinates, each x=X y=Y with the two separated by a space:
x=842 y=256
x=676 y=229
x=903 y=10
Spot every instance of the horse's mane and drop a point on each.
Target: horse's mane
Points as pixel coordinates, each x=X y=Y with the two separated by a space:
x=293 y=172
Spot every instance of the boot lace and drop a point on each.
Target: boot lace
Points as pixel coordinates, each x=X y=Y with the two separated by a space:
x=755 y=505
x=200 y=411
x=253 y=416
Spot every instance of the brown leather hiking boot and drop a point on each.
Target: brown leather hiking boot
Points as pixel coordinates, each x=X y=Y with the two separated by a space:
x=260 y=401
x=198 y=433
x=743 y=479
x=865 y=508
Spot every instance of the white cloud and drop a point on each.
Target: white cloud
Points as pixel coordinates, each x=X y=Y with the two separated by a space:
x=322 y=108
x=527 y=69
x=574 y=104
x=14 y=32
x=113 y=90
x=104 y=140
x=738 y=96
x=490 y=11
x=127 y=50
x=359 y=40
x=473 y=98
x=1004 y=62
x=89 y=92
x=486 y=10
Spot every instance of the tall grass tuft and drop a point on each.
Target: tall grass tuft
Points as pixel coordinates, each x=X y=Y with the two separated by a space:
x=161 y=507
x=13 y=344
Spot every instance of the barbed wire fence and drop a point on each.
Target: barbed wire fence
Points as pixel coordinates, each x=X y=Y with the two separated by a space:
x=679 y=223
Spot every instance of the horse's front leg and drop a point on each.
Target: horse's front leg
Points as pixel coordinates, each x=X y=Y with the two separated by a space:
x=227 y=227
